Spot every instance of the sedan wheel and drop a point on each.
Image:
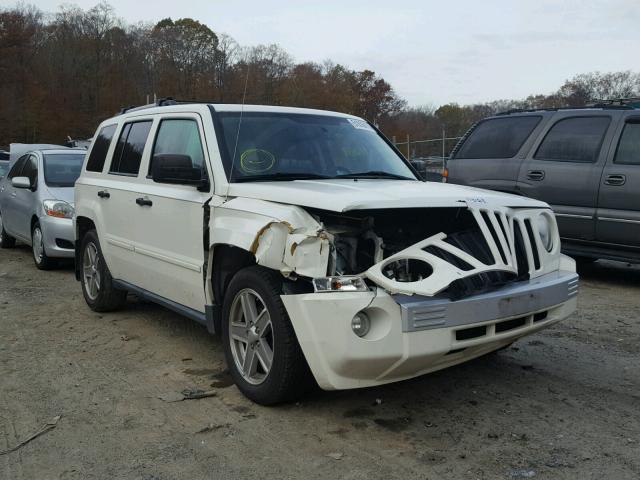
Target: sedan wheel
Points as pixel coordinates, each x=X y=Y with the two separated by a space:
x=6 y=241
x=43 y=262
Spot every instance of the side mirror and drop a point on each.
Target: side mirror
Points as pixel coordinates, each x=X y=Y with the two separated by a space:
x=21 y=182
x=177 y=169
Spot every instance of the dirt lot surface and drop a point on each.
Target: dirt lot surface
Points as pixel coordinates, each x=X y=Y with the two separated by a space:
x=564 y=403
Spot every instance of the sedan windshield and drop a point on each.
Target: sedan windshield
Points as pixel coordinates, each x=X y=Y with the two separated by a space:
x=62 y=169
x=283 y=146
x=4 y=167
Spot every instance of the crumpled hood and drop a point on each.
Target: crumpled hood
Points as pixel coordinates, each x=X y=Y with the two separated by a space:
x=346 y=194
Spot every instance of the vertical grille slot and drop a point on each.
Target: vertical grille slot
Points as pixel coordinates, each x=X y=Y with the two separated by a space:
x=534 y=245
x=486 y=216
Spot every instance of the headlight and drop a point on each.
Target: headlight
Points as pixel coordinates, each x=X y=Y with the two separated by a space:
x=339 y=284
x=58 y=209
x=546 y=231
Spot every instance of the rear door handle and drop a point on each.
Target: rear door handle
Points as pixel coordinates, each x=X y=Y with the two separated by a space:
x=536 y=175
x=144 y=202
x=615 y=180
x=104 y=194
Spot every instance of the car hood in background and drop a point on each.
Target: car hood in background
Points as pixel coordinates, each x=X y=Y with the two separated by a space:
x=57 y=193
x=345 y=194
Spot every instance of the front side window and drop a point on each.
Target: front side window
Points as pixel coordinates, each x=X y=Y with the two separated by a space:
x=4 y=166
x=628 y=151
x=100 y=148
x=498 y=137
x=30 y=170
x=128 y=153
x=576 y=139
x=179 y=137
x=283 y=146
x=17 y=167
x=62 y=169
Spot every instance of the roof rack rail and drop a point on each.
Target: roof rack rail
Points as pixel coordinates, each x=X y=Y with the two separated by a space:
x=633 y=102
x=608 y=106
x=164 y=102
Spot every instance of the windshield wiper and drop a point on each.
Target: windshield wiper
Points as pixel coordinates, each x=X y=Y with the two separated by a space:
x=374 y=174
x=280 y=177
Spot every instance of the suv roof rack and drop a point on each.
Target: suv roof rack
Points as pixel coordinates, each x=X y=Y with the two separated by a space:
x=631 y=102
x=604 y=104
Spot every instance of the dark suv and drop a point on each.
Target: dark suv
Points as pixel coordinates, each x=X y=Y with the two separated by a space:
x=585 y=162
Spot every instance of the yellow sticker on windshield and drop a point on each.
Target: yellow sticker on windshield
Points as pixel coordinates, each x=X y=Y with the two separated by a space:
x=257 y=160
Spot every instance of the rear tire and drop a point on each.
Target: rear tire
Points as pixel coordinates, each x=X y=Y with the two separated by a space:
x=260 y=345
x=6 y=240
x=97 y=283
x=40 y=258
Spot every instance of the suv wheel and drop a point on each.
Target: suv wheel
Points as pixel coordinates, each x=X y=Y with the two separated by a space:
x=260 y=346
x=6 y=240
x=42 y=261
x=97 y=284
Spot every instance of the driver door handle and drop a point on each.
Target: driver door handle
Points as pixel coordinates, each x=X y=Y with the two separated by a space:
x=615 y=180
x=104 y=194
x=144 y=202
x=535 y=175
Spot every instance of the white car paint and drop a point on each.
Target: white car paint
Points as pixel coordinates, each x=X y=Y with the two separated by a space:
x=161 y=251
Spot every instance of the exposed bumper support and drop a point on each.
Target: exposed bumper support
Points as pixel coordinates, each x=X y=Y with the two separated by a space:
x=521 y=298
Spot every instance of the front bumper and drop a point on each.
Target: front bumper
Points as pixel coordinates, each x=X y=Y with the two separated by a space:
x=58 y=236
x=414 y=335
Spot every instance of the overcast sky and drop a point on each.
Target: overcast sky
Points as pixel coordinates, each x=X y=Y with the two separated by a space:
x=432 y=52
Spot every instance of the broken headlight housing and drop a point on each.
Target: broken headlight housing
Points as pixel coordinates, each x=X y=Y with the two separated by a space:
x=339 y=284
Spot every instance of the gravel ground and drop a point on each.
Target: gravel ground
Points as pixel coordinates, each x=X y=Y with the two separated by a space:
x=562 y=404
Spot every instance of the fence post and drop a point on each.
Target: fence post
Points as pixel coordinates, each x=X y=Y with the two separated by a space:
x=444 y=141
x=408 y=148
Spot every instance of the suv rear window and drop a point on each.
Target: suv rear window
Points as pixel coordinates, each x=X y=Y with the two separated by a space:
x=100 y=148
x=575 y=139
x=128 y=154
x=498 y=137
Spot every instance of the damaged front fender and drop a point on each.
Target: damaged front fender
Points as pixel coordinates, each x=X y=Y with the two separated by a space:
x=281 y=237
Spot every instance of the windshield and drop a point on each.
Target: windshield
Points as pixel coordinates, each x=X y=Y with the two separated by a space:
x=285 y=146
x=4 y=167
x=62 y=169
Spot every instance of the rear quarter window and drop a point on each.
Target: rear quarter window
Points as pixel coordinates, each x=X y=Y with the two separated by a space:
x=100 y=147
x=498 y=137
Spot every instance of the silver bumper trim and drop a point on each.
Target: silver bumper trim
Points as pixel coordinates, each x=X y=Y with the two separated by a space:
x=512 y=300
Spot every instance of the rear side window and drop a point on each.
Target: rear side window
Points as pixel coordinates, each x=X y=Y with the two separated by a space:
x=498 y=137
x=628 y=151
x=128 y=154
x=179 y=137
x=576 y=139
x=100 y=148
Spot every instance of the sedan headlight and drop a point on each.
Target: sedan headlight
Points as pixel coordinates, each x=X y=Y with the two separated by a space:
x=58 y=208
x=546 y=231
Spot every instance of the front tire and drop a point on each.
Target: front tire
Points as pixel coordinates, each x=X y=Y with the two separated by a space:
x=260 y=345
x=6 y=240
x=97 y=283
x=40 y=258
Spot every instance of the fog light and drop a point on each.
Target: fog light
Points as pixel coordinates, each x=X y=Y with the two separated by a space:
x=360 y=324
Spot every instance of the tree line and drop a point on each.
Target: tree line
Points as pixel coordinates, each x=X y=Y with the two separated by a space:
x=62 y=73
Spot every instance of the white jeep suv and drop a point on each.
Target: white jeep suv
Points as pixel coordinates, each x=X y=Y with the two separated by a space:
x=308 y=242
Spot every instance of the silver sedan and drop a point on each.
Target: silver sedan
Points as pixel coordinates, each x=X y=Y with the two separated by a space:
x=36 y=203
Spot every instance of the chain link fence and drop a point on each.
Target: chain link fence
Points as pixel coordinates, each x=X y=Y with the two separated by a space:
x=428 y=156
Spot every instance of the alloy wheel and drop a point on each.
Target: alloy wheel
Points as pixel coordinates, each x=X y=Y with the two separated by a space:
x=90 y=271
x=251 y=336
